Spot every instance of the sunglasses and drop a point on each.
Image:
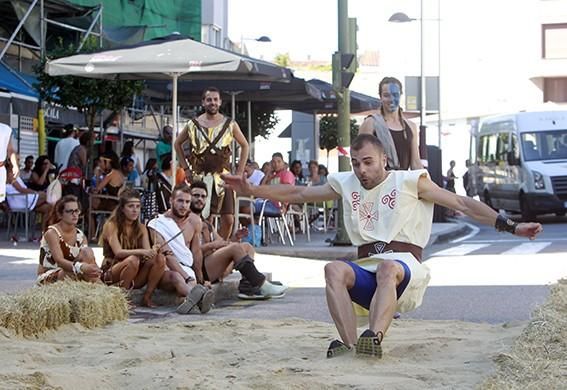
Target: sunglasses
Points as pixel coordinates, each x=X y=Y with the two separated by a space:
x=72 y=211
x=200 y=196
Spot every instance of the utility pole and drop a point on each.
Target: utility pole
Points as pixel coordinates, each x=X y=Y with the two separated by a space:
x=344 y=67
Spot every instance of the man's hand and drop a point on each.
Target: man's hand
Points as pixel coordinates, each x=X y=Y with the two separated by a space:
x=188 y=175
x=530 y=230
x=240 y=234
x=238 y=184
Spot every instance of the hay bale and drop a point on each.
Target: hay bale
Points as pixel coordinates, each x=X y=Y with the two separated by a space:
x=39 y=309
x=537 y=359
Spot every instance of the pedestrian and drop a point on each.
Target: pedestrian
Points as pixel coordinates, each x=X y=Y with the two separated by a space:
x=65 y=146
x=42 y=174
x=466 y=179
x=388 y=215
x=450 y=185
x=399 y=136
x=128 y=151
x=163 y=146
x=210 y=138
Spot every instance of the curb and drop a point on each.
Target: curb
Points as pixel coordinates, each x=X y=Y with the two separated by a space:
x=441 y=238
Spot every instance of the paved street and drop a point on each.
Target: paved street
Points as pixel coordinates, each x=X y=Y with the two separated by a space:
x=482 y=276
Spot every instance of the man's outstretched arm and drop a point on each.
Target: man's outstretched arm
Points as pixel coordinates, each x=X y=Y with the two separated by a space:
x=280 y=192
x=475 y=209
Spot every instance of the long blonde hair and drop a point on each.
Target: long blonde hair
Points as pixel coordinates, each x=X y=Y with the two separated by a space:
x=133 y=239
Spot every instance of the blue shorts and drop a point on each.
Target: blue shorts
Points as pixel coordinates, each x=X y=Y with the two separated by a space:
x=365 y=284
x=270 y=210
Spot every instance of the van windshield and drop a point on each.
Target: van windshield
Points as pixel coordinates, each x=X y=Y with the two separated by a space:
x=544 y=145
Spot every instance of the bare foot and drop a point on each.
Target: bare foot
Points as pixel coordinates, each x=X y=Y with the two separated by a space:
x=147 y=302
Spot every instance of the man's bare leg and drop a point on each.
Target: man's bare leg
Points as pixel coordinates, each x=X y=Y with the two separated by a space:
x=226 y=222
x=173 y=281
x=339 y=277
x=383 y=305
x=382 y=308
x=217 y=262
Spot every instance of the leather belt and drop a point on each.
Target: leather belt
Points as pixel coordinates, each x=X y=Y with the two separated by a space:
x=377 y=247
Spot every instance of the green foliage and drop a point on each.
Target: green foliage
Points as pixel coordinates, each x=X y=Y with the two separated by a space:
x=263 y=119
x=89 y=96
x=282 y=59
x=329 y=132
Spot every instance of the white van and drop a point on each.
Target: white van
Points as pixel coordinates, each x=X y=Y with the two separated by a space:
x=520 y=163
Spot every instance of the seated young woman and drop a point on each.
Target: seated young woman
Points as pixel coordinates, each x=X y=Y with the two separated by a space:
x=63 y=250
x=129 y=260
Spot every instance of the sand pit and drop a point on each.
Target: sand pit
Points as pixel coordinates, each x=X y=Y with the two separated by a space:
x=246 y=354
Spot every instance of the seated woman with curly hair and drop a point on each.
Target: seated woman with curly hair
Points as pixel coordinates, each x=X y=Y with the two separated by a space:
x=129 y=260
x=63 y=250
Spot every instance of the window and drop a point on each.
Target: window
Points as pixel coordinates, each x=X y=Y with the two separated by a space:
x=502 y=146
x=554 y=41
x=487 y=148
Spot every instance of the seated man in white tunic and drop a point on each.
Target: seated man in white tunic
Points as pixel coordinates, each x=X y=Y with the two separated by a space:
x=388 y=215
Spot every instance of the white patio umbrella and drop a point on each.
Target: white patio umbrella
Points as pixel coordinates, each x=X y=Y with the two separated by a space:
x=172 y=57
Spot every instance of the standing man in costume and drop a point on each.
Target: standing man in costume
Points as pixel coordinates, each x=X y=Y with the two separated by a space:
x=210 y=137
x=388 y=215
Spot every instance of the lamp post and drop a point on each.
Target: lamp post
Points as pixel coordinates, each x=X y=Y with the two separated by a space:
x=400 y=17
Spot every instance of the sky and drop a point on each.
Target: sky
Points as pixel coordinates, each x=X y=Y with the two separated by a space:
x=486 y=54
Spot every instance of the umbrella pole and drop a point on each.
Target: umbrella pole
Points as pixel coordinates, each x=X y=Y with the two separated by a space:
x=174 y=132
x=250 y=140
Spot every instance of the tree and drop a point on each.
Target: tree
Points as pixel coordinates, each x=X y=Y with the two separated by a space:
x=88 y=96
x=282 y=59
x=329 y=132
x=264 y=119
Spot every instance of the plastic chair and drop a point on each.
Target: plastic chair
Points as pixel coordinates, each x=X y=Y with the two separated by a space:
x=303 y=216
x=275 y=222
x=250 y=215
x=95 y=213
x=17 y=216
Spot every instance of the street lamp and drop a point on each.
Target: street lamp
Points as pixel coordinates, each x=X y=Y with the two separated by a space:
x=262 y=38
x=400 y=17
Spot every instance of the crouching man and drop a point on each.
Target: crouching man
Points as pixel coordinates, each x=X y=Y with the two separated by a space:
x=177 y=233
x=388 y=215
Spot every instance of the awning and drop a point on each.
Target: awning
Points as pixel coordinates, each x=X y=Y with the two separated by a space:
x=13 y=81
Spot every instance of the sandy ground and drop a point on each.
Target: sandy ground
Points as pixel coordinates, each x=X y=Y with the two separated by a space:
x=250 y=354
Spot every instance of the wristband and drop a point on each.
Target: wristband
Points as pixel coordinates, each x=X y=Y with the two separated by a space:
x=77 y=268
x=504 y=224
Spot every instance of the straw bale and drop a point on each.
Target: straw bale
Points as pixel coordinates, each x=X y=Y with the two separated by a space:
x=537 y=359
x=39 y=309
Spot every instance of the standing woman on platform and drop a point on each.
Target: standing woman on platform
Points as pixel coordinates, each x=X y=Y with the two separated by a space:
x=129 y=260
x=399 y=136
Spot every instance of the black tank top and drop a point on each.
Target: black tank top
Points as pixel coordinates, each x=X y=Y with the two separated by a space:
x=402 y=141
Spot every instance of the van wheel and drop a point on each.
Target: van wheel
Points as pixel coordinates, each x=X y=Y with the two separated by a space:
x=488 y=202
x=527 y=214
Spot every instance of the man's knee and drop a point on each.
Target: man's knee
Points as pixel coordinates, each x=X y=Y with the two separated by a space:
x=247 y=247
x=389 y=271
x=338 y=272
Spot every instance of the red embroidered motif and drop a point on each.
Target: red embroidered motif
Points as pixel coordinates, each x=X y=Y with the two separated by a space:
x=355 y=200
x=390 y=199
x=367 y=215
